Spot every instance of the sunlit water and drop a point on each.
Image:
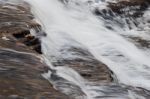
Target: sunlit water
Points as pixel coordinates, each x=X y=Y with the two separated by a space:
x=73 y=24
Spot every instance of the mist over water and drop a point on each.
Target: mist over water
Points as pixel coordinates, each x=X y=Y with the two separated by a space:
x=72 y=23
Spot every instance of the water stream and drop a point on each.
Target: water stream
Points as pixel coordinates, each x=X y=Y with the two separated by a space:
x=72 y=24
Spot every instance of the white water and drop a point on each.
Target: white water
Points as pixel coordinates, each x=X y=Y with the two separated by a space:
x=73 y=24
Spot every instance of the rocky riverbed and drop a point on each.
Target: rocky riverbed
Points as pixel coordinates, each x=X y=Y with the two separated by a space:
x=22 y=63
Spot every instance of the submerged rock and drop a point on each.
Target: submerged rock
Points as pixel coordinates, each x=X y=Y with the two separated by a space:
x=85 y=64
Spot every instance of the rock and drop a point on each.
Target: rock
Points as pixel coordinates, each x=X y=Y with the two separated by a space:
x=140 y=42
x=20 y=74
x=123 y=13
x=86 y=65
x=124 y=7
x=17 y=20
x=21 y=67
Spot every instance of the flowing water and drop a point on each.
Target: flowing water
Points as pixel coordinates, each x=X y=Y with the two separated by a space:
x=71 y=23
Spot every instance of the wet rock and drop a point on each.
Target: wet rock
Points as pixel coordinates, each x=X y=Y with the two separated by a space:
x=124 y=7
x=21 y=34
x=37 y=48
x=20 y=74
x=86 y=65
x=21 y=66
x=123 y=13
x=140 y=42
x=17 y=20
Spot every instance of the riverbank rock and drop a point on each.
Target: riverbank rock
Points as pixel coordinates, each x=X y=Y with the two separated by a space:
x=21 y=67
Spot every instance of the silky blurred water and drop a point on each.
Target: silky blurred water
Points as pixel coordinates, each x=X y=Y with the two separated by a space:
x=72 y=23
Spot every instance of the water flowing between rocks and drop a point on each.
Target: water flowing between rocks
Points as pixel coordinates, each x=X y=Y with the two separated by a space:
x=93 y=52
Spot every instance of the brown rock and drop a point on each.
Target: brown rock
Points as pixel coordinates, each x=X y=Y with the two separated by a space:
x=20 y=66
x=87 y=65
x=20 y=76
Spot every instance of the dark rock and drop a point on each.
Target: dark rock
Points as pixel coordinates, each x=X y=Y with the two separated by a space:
x=37 y=48
x=140 y=42
x=22 y=34
x=120 y=7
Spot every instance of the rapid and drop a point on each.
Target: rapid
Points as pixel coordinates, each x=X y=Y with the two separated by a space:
x=71 y=23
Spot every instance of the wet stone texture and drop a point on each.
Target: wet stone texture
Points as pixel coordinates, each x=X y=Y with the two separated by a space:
x=138 y=6
x=20 y=76
x=133 y=12
x=86 y=65
x=16 y=20
x=128 y=15
x=129 y=10
x=124 y=8
x=140 y=42
x=20 y=60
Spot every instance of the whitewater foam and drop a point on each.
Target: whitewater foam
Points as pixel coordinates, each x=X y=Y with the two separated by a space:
x=74 y=21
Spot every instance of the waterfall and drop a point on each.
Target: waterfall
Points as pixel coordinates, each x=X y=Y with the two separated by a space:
x=72 y=24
